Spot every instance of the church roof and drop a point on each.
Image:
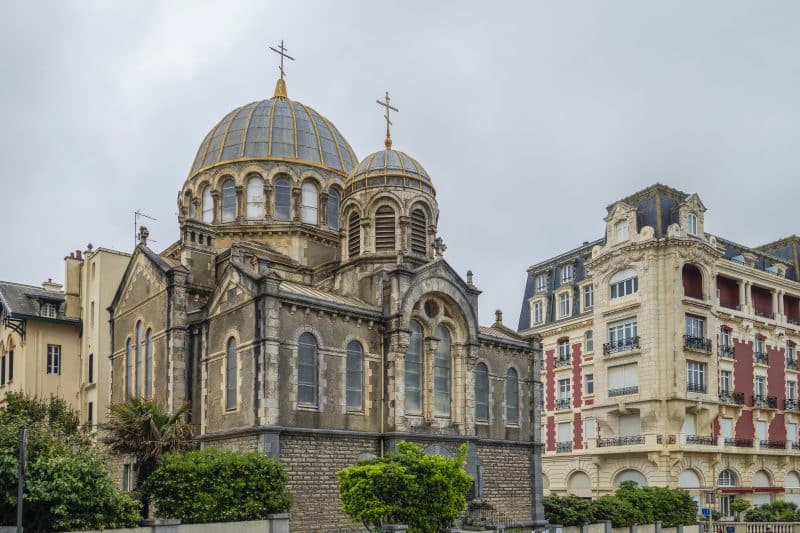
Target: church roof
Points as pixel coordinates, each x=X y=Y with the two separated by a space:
x=321 y=296
x=280 y=129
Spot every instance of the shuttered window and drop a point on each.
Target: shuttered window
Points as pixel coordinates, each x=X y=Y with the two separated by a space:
x=384 y=229
x=354 y=235
x=419 y=232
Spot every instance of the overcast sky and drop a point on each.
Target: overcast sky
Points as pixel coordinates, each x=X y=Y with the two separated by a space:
x=530 y=117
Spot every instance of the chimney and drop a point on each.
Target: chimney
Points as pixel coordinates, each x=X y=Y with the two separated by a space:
x=498 y=318
x=51 y=286
x=72 y=280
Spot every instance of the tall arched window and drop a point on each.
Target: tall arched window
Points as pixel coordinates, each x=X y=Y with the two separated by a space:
x=148 y=364
x=228 y=201
x=255 y=198
x=413 y=370
x=231 y=375
x=190 y=205
x=138 y=349
x=726 y=478
x=309 y=212
x=384 y=229
x=128 y=370
x=512 y=397
x=355 y=376
x=353 y=235
x=333 y=209
x=283 y=199
x=419 y=232
x=307 y=370
x=441 y=373
x=208 y=206
x=481 y=392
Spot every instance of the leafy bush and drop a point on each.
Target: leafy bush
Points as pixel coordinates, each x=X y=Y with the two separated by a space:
x=568 y=510
x=780 y=511
x=67 y=484
x=218 y=486
x=425 y=492
x=619 y=510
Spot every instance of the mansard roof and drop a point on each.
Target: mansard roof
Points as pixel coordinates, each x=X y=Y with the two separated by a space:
x=22 y=301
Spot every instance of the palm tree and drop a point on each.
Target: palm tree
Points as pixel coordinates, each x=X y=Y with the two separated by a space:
x=141 y=428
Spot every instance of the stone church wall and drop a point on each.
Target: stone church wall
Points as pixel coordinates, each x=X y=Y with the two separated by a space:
x=507 y=478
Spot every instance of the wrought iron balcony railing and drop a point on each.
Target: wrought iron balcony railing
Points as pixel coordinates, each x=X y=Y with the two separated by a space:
x=564 y=447
x=764 y=314
x=620 y=441
x=697 y=344
x=790 y=404
x=761 y=357
x=773 y=444
x=622 y=345
x=793 y=321
x=701 y=439
x=727 y=351
x=562 y=361
x=696 y=387
x=623 y=391
x=738 y=398
x=791 y=363
x=563 y=403
x=765 y=401
x=796 y=445
x=739 y=443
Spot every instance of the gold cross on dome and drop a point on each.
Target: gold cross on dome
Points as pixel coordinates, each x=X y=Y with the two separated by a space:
x=385 y=103
x=281 y=51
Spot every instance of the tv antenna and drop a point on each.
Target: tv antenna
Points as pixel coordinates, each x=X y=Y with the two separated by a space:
x=136 y=215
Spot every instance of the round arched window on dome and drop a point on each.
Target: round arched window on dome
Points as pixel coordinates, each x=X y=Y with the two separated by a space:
x=283 y=198
x=255 y=198
x=419 y=232
x=333 y=209
x=310 y=208
x=384 y=229
x=228 y=201
x=208 y=206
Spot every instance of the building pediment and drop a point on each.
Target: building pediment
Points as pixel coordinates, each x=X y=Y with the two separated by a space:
x=146 y=273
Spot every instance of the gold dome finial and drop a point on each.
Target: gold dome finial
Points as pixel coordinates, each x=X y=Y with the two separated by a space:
x=385 y=103
x=280 y=87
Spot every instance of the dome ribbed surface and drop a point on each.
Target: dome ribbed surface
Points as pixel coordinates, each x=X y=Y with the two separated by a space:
x=386 y=162
x=277 y=128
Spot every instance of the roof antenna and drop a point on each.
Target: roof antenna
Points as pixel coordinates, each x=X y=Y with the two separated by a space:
x=136 y=214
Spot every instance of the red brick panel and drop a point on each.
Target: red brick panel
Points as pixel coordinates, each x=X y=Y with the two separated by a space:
x=577 y=376
x=577 y=431
x=551 y=433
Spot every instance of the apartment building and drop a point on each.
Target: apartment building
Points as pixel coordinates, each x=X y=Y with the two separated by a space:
x=670 y=357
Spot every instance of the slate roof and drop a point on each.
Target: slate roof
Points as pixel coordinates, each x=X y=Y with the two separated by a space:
x=289 y=288
x=20 y=300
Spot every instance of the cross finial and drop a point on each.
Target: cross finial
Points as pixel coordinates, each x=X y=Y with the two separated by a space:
x=385 y=103
x=280 y=87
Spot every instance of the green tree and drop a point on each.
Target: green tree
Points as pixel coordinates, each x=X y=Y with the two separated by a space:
x=568 y=510
x=780 y=511
x=425 y=492
x=619 y=510
x=217 y=486
x=68 y=486
x=739 y=506
x=141 y=428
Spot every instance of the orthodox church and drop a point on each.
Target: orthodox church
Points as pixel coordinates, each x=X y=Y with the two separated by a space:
x=307 y=313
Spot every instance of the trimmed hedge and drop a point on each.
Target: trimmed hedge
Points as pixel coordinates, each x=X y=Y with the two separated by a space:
x=218 y=486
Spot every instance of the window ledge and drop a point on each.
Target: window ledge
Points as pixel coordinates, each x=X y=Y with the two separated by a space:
x=307 y=407
x=696 y=302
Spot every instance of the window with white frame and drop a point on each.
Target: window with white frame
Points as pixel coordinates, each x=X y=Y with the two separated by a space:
x=791 y=351
x=623 y=379
x=564 y=432
x=725 y=338
x=761 y=386
x=624 y=283
x=692 y=224
x=538 y=312
x=588 y=297
x=541 y=282
x=695 y=376
x=621 y=231
x=623 y=333
x=53 y=359
x=589 y=379
x=563 y=349
x=48 y=310
x=564 y=389
x=566 y=273
x=588 y=341
x=726 y=478
x=725 y=382
x=695 y=326
x=791 y=390
x=563 y=304
x=760 y=345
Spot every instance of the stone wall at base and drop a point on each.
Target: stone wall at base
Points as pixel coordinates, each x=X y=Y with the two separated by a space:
x=239 y=443
x=312 y=463
x=507 y=478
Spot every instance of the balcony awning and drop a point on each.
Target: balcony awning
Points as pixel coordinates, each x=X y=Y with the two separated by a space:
x=749 y=490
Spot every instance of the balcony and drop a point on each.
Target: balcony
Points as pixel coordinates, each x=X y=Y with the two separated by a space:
x=791 y=363
x=701 y=440
x=796 y=445
x=697 y=344
x=620 y=441
x=739 y=443
x=563 y=403
x=623 y=391
x=764 y=314
x=562 y=361
x=623 y=345
x=761 y=357
x=770 y=402
x=736 y=398
x=790 y=404
x=773 y=444
x=696 y=387
x=793 y=321
x=728 y=352
x=564 y=447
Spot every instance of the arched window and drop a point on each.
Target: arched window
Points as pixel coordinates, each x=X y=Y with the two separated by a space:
x=419 y=232
x=128 y=370
x=255 y=198
x=630 y=475
x=138 y=349
x=353 y=235
x=481 y=392
x=384 y=229
x=623 y=283
x=231 y=375
x=692 y=281
x=228 y=201
x=512 y=397
x=413 y=370
x=355 y=376
x=283 y=199
x=333 y=209
x=191 y=206
x=208 y=206
x=309 y=211
x=307 y=370
x=580 y=485
x=726 y=478
x=441 y=373
x=692 y=218
x=148 y=364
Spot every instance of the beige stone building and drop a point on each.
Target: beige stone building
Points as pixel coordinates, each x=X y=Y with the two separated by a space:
x=670 y=357
x=307 y=312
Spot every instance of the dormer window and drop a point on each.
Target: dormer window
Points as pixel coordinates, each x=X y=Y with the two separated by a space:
x=48 y=310
x=566 y=273
x=621 y=231
x=541 y=282
x=692 y=224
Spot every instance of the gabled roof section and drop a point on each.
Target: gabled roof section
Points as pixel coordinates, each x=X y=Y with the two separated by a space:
x=319 y=297
x=162 y=264
x=20 y=300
